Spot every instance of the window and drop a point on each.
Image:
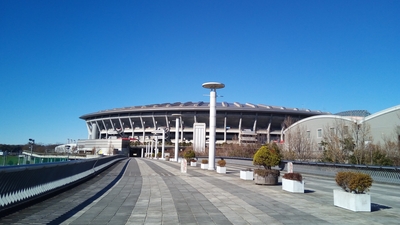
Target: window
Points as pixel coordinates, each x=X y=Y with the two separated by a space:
x=308 y=134
x=332 y=130
x=346 y=130
x=320 y=147
x=319 y=133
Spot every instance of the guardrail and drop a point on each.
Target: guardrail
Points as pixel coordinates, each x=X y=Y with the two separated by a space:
x=382 y=174
x=22 y=184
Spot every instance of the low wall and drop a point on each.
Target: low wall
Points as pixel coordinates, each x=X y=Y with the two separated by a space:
x=21 y=184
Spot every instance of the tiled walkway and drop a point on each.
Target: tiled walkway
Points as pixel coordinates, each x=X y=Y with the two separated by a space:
x=156 y=192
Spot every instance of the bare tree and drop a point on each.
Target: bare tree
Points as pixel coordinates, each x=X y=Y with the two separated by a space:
x=363 y=139
x=337 y=142
x=298 y=143
x=346 y=142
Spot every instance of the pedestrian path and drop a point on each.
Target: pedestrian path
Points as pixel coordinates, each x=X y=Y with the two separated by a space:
x=156 y=192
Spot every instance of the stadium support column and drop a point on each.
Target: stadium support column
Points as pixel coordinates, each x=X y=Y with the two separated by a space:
x=212 y=129
x=94 y=131
x=151 y=148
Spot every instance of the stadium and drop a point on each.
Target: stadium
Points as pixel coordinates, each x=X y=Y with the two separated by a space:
x=235 y=122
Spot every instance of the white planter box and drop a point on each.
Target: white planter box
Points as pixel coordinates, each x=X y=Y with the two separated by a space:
x=221 y=169
x=293 y=186
x=246 y=175
x=204 y=166
x=193 y=164
x=353 y=202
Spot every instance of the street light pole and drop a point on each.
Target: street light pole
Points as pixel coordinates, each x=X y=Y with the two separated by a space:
x=31 y=142
x=213 y=86
x=177 y=116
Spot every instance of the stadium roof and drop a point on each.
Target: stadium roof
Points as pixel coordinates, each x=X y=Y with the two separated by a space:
x=357 y=113
x=198 y=106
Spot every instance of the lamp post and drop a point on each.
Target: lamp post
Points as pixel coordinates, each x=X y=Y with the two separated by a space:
x=213 y=86
x=176 y=136
x=31 y=142
x=67 y=148
x=156 y=132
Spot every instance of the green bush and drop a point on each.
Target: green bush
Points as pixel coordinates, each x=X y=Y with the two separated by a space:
x=293 y=176
x=267 y=156
x=189 y=154
x=354 y=182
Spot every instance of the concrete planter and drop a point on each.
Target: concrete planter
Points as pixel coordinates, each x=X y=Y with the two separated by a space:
x=193 y=164
x=267 y=180
x=204 y=166
x=293 y=186
x=246 y=175
x=353 y=202
x=221 y=169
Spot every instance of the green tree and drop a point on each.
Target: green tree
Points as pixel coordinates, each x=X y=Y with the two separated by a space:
x=267 y=156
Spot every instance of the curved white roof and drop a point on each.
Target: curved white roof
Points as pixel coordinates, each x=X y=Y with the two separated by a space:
x=380 y=113
x=204 y=106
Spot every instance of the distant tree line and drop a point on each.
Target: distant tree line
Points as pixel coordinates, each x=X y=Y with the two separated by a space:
x=17 y=149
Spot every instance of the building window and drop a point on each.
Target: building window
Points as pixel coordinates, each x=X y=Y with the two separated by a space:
x=346 y=130
x=332 y=130
x=308 y=134
x=319 y=133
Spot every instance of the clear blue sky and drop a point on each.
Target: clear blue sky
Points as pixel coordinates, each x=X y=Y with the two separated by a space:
x=62 y=59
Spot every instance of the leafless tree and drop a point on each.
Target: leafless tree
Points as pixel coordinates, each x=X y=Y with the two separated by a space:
x=337 y=141
x=298 y=144
x=346 y=141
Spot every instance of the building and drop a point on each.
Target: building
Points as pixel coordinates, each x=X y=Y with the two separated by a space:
x=360 y=125
x=235 y=122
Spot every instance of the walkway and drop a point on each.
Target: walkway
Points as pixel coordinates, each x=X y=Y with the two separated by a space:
x=156 y=192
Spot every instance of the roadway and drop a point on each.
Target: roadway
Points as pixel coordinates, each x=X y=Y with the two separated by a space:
x=146 y=191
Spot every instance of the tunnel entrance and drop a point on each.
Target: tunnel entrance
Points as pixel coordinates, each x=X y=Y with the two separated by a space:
x=135 y=152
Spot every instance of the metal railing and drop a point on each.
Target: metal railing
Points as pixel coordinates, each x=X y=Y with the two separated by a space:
x=21 y=184
x=381 y=174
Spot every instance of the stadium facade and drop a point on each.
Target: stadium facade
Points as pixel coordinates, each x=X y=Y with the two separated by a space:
x=235 y=122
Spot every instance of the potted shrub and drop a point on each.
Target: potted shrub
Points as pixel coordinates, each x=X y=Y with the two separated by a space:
x=221 y=166
x=204 y=164
x=247 y=174
x=293 y=182
x=353 y=195
x=267 y=156
x=158 y=155
x=189 y=155
x=193 y=162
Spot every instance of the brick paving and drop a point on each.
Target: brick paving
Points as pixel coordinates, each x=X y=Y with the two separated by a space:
x=156 y=192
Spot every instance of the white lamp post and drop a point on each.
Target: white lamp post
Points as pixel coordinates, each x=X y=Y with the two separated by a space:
x=213 y=86
x=31 y=142
x=176 y=136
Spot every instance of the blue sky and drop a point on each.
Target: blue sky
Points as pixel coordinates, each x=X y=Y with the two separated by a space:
x=62 y=59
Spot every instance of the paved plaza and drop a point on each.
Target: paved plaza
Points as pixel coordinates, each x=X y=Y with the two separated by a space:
x=146 y=191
